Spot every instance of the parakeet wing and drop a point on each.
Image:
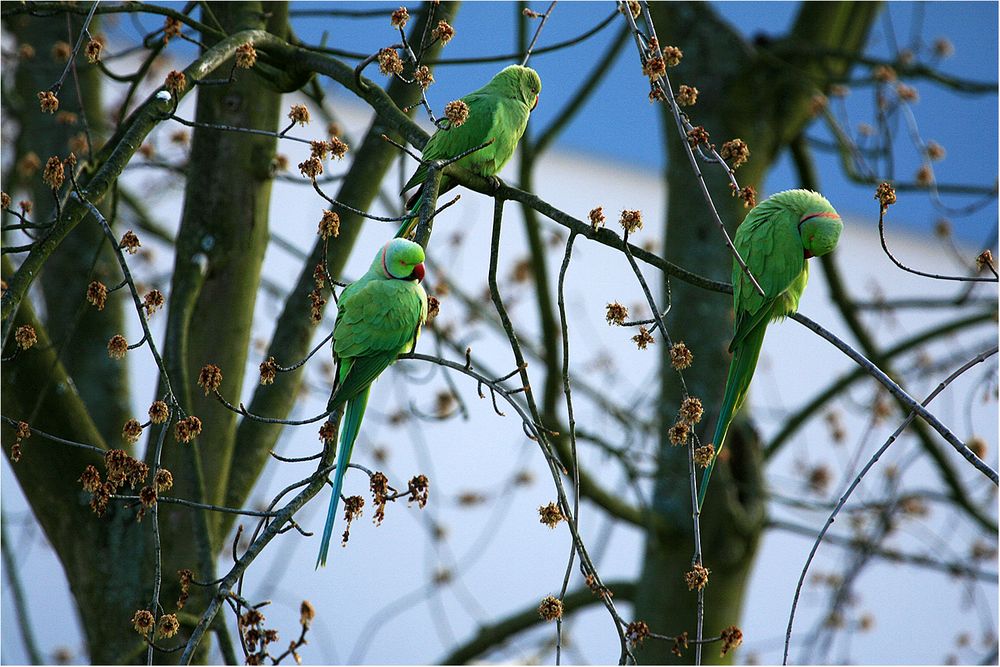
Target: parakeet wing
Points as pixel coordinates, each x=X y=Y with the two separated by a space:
x=772 y=249
x=375 y=323
x=491 y=116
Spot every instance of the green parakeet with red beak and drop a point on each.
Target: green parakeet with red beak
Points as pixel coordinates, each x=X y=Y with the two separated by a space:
x=498 y=111
x=378 y=318
x=775 y=240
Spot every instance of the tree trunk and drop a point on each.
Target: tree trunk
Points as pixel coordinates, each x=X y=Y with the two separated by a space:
x=750 y=97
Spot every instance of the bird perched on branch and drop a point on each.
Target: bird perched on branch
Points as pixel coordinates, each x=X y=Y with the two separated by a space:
x=775 y=240
x=499 y=112
x=378 y=318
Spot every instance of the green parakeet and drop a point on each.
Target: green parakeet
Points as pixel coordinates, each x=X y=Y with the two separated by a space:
x=378 y=318
x=498 y=111
x=775 y=240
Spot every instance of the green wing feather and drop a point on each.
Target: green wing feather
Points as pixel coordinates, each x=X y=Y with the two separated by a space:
x=491 y=116
x=374 y=326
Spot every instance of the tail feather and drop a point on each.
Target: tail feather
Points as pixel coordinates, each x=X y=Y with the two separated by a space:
x=353 y=414
x=741 y=370
x=413 y=215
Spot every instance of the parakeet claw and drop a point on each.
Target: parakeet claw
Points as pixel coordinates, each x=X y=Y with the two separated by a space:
x=495 y=183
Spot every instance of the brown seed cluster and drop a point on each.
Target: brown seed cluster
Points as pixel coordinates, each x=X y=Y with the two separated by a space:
x=654 y=67
x=433 y=308
x=389 y=62
x=443 y=31
x=93 y=49
x=884 y=74
x=329 y=225
x=732 y=637
x=697 y=135
x=306 y=614
x=631 y=221
x=152 y=301
x=298 y=113
x=691 y=410
x=634 y=8
x=5 y=201
x=143 y=622
x=550 y=515
x=678 y=433
x=246 y=55
x=61 y=51
x=379 y=485
x=159 y=412
x=117 y=347
x=680 y=644
x=338 y=148
x=97 y=294
x=22 y=433
x=130 y=242
x=48 y=102
x=686 y=95
x=171 y=28
x=703 y=455
x=616 y=313
x=186 y=430
x=268 y=371
x=210 y=378
x=672 y=56
x=747 y=194
x=419 y=490
x=399 y=18
x=596 y=217
x=352 y=510
x=132 y=431
x=636 y=632
x=186 y=576
x=423 y=76
x=316 y=303
x=934 y=150
x=457 y=112
x=643 y=339
x=163 y=480
x=680 y=356
x=551 y=608
x=736 y=151
x=90 y=479
x=175 y=82
x=327 y=432
x=886 y=195
x=984 y=260
x=907 y=93
x=697 y=577
x=54 y=175
x=25 y=336
x=311 y=168
x=168 y=626
x=147 y=496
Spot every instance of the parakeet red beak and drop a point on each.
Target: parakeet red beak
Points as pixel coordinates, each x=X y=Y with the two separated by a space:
x=536 y=103
x=418 y=272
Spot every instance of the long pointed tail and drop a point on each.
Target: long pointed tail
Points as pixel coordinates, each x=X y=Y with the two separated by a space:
x=741 y=370
x=353 y=415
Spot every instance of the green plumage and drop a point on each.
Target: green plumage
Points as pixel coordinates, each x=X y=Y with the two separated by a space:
x=498 y=111
x=775 y=240
x=378 y=318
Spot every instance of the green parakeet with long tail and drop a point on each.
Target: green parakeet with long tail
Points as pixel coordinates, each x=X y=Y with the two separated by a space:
x=378 y=318
x=498 y=111
x=775 y=240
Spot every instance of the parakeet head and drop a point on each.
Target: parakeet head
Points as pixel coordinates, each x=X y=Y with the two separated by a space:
x=400 y=259
x=519 y=82
x=818 y=222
